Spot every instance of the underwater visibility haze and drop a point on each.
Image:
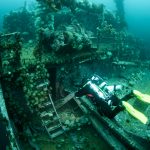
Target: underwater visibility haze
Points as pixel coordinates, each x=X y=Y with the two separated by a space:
x=74 y=74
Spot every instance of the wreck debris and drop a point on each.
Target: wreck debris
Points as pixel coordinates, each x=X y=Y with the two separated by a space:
x=125 y=63
x=10 y=46
x=20 y=21
x=61 y=36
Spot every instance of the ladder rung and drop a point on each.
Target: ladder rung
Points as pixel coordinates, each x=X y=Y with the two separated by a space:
x=44 y=105
x=53 y=123
x=41 y=109
x=50 y=122
x=50 y=129
x=45 y=108
x=44 y=113
x=46 y=122
x=47 y=103
x=48 y=116
x=57 y=133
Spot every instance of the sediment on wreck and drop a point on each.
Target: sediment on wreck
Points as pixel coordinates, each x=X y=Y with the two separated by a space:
x=72 y=41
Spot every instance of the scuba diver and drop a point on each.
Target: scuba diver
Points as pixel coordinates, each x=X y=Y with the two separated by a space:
x=108 y=104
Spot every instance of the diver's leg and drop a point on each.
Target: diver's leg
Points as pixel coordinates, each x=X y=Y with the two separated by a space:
x=128 y=96
x=141 y=96
x=135 y=113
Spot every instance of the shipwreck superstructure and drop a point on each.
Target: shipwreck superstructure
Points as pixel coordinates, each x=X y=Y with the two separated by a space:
x=42 y=65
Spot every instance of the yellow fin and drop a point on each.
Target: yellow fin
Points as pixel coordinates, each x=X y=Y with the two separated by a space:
x=135 y=113
x=141 y=96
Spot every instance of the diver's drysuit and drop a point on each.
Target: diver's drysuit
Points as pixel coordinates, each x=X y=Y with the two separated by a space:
x=107 y=102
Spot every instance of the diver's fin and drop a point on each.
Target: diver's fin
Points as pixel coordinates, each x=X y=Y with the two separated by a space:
x=141 y=96
x=135 y=113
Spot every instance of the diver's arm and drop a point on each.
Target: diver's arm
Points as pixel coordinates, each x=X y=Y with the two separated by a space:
x=82 y=91
x=118 y=109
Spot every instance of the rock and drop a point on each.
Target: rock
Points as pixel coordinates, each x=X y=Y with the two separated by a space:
x=78 y=129
x=77 y=120
x=67 y=122
x=62 y=69
x=72 y=123
x=109 y=53
x=50 y=114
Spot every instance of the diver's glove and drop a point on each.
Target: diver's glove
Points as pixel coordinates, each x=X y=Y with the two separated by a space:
x=135 y=113
x=141 y=96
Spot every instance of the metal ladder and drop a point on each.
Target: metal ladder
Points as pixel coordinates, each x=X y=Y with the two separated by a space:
x=50 y=118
